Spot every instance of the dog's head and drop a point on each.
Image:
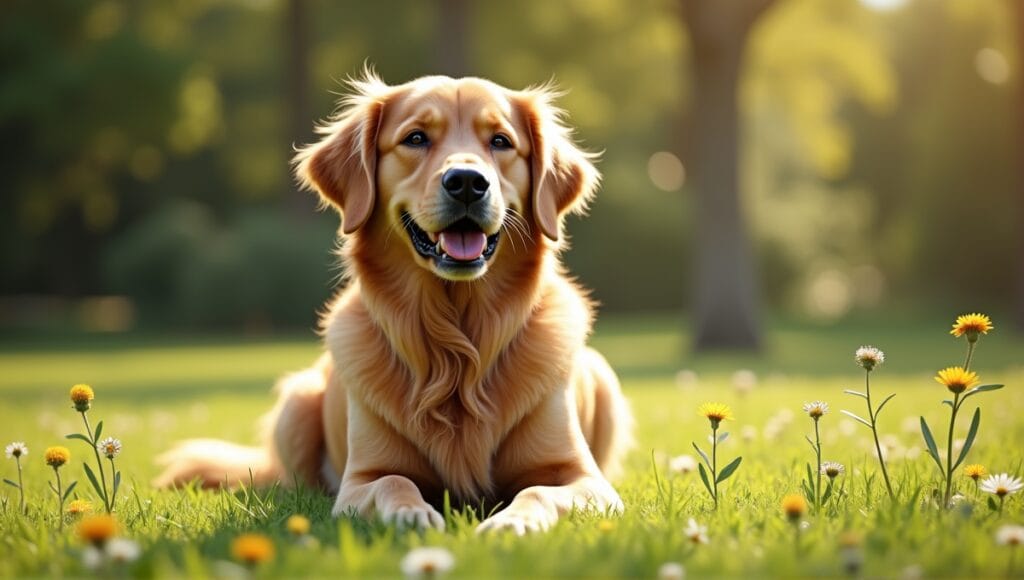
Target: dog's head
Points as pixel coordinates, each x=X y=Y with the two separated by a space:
x=451 y=166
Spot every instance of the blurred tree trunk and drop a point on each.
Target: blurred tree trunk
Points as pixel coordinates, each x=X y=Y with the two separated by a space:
x=299 y=129
x=452 y=42
x=1018 y=16
x=726 y=303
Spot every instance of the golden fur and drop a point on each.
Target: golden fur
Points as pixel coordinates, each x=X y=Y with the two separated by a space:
x=478 y=382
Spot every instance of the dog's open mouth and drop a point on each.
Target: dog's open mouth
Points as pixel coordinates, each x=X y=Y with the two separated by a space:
x=462 y=243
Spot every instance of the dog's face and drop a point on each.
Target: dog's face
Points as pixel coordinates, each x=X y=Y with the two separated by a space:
x=449 y=166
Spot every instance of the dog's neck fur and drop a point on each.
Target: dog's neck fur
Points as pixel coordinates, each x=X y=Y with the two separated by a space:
x=449 y=334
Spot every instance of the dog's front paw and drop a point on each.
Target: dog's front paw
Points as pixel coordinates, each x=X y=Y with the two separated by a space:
x=520 y=522
x=419 y=517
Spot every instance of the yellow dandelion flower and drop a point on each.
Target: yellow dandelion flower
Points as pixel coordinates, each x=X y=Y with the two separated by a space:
x=971 y=325
x=79 y=507
x=57 y=456
x=606 y=525
x=252 y=549
x=97 y=529
x=975 y=471
x=82 y=396
x=956 y=379
x=794 y=506
x=297 y=525
x=716 y=413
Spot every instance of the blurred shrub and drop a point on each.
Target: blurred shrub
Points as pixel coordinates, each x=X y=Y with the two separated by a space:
x=257 y=270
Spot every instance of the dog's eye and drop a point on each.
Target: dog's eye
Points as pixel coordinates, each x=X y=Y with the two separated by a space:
x=416 y=139
x=500 y=141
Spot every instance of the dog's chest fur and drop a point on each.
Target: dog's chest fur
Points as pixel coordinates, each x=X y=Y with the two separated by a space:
x=457 y=383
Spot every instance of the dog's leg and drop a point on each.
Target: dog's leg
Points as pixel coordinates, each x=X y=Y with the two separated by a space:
x=605 y=416
x=293 y=437
x=371 y=485
x=553 y=470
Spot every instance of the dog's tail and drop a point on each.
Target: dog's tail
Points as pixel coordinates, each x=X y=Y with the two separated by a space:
x=215 y=463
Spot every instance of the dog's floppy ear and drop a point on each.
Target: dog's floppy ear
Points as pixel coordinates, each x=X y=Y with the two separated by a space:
x=342 y=166
x=564 y=176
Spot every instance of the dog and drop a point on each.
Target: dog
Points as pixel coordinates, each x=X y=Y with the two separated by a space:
x=456 y=361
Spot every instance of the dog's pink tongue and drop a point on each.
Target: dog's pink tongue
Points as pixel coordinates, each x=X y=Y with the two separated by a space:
x=463 y=246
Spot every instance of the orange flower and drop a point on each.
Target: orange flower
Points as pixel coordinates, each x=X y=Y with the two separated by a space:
x=956 y=379
x=252 y=549
x=972 y=325
x=82 y=396
x=97 y=529
x=56 y=456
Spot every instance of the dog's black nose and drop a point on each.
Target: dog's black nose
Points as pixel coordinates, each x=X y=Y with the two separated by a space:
x=465 y=185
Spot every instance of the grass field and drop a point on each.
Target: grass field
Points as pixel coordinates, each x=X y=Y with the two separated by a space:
x=152 y=390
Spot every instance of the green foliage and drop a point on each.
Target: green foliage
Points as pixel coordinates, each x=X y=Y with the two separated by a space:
x=257 y=270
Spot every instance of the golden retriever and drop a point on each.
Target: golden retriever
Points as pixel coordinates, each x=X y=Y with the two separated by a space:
x=456 y=357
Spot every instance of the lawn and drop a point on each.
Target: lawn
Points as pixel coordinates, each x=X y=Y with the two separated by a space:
x=152 y=390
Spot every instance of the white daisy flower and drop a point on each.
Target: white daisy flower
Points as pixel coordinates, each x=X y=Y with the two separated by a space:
x=671 y=571
x=122 y=550
x=696 y=533
x=16 y=449
x=1001 y=485
x=869 y=357
x=744 y=381
x=109 y=447
x=1009 y=535
x=832 y=469
x=428 y=562
x=92 y=558
x=816 y=409
x=682 y=464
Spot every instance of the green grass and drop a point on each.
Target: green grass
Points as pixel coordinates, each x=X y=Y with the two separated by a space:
x=153 y=390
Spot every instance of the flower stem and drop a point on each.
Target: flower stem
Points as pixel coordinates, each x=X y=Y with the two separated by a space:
x=970 y=354
x=817 y=448
x=714 y=463
x=113 y=476
x=60 y=499
x=99 y=462
x=1002 y=498
x=949 y=450
x=874 y=432
x=21 y=485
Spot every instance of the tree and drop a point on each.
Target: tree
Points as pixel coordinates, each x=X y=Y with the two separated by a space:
x=1018 y=17
x=725 y=305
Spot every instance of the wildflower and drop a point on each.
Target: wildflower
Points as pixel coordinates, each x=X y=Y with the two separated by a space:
x=832 y=469
x=716 y=413
x=56 y=456
x=683 y=464
x=975 y=471
x=1010 y=535
x=972 y=325
x=849 y=550
x=109 y=447
x=252 y=549
x=869 y=357
x=1001 y=485
x=92 y=558
x=671 y=571
x=97 y=529
x=956 y=379
x=695 y=532
x=82 y=396
x=16 y=450
x=816 y=409
x=297 y=525
x=794 y=506
x=606 y=525
x=79 y=507
x=122 y=551
x=427 y=562
x=744 y=381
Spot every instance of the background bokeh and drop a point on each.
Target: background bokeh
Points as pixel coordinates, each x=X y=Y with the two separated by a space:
x=146 y=150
